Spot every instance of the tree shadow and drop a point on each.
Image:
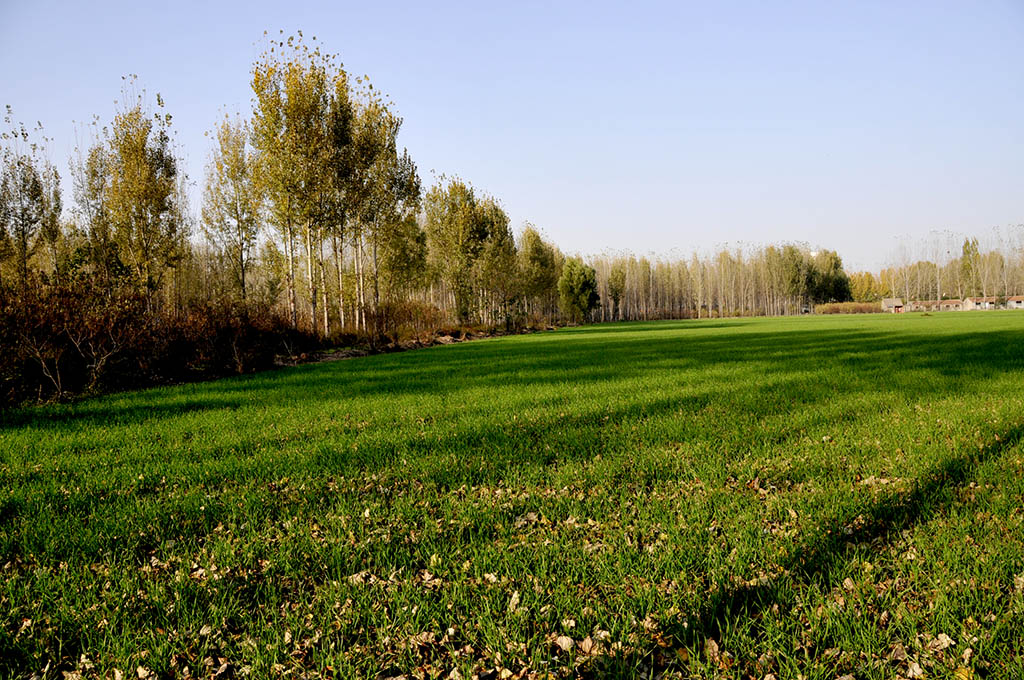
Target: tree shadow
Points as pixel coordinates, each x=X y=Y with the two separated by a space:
x=912 y=364
x=822 y=556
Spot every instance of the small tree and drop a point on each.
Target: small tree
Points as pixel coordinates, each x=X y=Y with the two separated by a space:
x=577 y=290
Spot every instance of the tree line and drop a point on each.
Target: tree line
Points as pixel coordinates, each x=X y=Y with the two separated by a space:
x=313 y=229
x=945 y=267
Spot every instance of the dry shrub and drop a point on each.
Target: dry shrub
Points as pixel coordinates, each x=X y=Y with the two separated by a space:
x=849 y=308
x=80 y=338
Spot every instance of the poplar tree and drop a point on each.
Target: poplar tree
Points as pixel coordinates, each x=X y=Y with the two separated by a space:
x=455 y=236
x=538 y=267
x=231 y=202
x=143 y=196
x=616 y=287
x=30 y=200
x=293 y=133
x=577 y=290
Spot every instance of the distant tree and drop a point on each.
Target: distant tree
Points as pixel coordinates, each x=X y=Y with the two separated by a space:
x=231 y=200
x=799 y=274
x=831 y=284
x=577 y=290
x=456 y=234
x=864 y=287
x=970 y=267
x=616 y=287
x=538 y=266
x=497 y=267
x=388 y=210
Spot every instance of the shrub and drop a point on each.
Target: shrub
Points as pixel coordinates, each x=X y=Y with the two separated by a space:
x=58 y=341
x=849 y=308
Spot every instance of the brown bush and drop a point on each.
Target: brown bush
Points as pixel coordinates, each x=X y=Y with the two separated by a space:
x=849 y=308
x=79 y=338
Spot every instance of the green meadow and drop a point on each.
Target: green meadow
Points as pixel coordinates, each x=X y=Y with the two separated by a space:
x=816 y=497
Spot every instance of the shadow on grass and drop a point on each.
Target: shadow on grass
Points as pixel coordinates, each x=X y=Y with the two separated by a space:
x=911 y=362
x=824 y=554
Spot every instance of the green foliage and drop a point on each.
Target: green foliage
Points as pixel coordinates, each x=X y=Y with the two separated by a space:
x=865 y=287
x=458 y=225
x=142 y=195
x=616 y=287
x=970 y=266
x=815 y=279
x=539 y=266
x=231 y=199
x=577 y=290
x=831 y=284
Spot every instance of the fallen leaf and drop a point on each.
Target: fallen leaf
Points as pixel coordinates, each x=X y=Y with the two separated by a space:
x=941 y=642
x=564 y=642
x=513 y=603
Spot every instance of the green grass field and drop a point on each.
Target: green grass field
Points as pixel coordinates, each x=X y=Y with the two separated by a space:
x=805 y=497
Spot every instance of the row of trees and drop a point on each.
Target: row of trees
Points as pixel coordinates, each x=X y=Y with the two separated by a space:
x=771 y=280
x=314 y=227
x=950 y=268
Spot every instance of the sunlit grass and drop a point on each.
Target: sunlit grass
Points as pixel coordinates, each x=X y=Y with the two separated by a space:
x=815 y=496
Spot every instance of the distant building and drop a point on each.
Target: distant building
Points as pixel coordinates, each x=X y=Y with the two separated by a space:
x=925 y=305
x=1015 y=302
x=892 y=305
x=980 y=303
x=951 y=305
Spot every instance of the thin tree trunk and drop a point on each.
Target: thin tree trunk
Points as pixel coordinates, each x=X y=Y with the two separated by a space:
x=323 y=289
x=313 y=322
x=290 y=248
x=341 y=281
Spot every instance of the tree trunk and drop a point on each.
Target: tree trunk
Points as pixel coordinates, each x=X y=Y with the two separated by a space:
x=313 y=322
x=290 y=250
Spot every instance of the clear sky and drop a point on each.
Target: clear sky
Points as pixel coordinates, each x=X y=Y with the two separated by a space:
x=647 y=126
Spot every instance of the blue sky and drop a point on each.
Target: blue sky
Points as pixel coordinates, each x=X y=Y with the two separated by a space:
x=644 y=126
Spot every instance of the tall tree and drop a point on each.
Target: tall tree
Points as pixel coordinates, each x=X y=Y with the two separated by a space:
x=577 y=290
x=294 y=133
x=538 y=266
x=144 y=198
x=231 y=200
x=970 y=267
x=23 y=206
x=616 y=287
x=455 y=236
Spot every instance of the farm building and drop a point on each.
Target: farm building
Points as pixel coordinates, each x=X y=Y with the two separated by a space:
x=951 y=305
x=892 y=305
x=925 y=305
x=980 y=303
x=1015 y=302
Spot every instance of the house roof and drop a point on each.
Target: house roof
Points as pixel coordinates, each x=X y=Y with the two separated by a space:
x=892 y=302
x=1015 y=298
x=980 y=299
